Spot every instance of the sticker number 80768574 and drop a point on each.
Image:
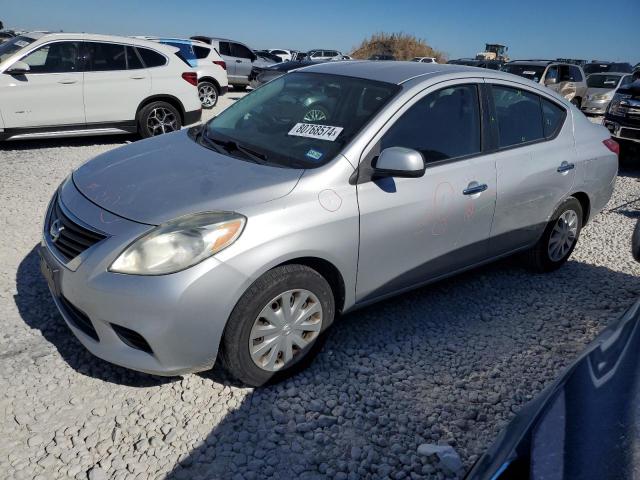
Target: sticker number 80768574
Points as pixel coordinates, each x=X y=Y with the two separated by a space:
x=312 y=130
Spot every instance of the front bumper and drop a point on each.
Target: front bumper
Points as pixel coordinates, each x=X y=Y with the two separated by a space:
x=179 y=317
x=595 y=107
x=623 y=131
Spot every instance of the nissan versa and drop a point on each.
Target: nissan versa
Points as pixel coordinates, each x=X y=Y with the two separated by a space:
x=326 y=189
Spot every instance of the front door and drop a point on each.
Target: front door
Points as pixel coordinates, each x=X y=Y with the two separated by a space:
x=413 y=230
x=535 y=162
x=50 y=94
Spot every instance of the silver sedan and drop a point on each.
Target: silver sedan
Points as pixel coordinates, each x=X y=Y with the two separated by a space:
x=325 y=190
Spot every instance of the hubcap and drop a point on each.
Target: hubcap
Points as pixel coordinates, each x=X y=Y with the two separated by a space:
x=284 y=329
x=161 y=120
x=208 y=95
x=314 y=115
x=563 y=235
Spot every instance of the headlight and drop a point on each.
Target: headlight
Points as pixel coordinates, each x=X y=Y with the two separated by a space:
x=602 y=96
x=180 y=243
x=619 y=105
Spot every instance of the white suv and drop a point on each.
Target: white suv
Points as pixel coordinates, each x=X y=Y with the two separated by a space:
x=206 y=62
x=65 y=84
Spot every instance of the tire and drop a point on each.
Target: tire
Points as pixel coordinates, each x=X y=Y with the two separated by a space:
x=265 y=296
x=542 y=257
x=208 y=93
x=157 y=118
x=240 y=88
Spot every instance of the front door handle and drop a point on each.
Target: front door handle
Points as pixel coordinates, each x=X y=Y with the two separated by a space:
x=565 y=167
x=238 y=61
x=475 y=187
x=67 y=82
x=138 y=78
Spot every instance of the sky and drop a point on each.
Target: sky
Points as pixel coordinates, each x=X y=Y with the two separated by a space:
x=585 y=29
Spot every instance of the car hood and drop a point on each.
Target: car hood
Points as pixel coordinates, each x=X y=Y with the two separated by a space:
x=599 y=91
x=156 y=180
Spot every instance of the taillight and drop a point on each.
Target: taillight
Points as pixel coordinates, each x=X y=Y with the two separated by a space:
x=612 y=145
x=191 y=77
x=221 y=63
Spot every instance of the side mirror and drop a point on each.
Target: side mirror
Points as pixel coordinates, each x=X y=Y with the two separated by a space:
x=399 y=162
x=551 y=81
x=18 y=68
x=635 y=242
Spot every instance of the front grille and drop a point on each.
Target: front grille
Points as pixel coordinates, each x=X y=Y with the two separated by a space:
x=68 y=237
x=78 y=319
x=132 y=338
x=630 y=133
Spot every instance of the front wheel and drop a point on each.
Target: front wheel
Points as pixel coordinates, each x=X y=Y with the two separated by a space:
x=559 y=238
x=158 y=118
x=278 y=325
x=208 y=94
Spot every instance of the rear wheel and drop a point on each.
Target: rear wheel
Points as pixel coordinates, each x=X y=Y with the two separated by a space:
x=208 y=94
x=559 y=238
x=158 y=118
x=278 y=325
x=240 y=88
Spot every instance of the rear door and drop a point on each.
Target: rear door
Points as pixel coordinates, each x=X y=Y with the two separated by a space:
x=535 y=161
x=115 y=82
x=243 y=61
x=50 y=94
x=224 y=48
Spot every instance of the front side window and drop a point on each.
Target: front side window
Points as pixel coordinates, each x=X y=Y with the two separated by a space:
x=104 y=57
x=299 y=120
x=240 y=51
x=518 y=116
x=14 y=45
x=58 y=57
x=443 y=125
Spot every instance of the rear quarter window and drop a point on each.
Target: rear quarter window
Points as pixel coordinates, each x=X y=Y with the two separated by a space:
x=201 y=52
x=151 y=58
x=553 y=117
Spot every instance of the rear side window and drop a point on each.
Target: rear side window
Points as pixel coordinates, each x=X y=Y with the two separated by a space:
x=443 y=125
x=201 y=52
x=104 y=57
x=133 y=60
x=576 y=75
x=519 y=116
x=552 y=117
x=225 y=49
x=151 y=58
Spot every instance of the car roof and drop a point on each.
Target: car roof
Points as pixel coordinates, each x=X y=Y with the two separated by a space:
x=394 y=72
x=45 y=36
x=531 y=62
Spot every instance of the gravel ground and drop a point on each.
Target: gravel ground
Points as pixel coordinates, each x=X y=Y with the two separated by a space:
x=448 y=363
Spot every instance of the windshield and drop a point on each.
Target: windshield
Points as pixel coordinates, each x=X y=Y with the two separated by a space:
x=603 y=81
x=606 y=67
x=11 y=46
x=532 y=72
x=300 y=120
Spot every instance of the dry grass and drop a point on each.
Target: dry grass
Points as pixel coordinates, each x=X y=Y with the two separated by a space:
x=401 y=45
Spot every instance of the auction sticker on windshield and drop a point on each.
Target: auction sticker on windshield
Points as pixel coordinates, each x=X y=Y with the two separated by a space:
x=312 y=130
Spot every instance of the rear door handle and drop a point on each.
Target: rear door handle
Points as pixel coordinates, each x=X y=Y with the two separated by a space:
x=475 y=187
x=238 y=61
x=565 y=167
x=138 y=78
x=67 y=82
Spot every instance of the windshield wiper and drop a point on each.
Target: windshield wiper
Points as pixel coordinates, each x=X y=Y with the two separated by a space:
x=232 y=145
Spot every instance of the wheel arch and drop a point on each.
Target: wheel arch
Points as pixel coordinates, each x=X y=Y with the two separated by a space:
x=585 y=203
x=329 y=271
x=212 y=80
x=164 y=97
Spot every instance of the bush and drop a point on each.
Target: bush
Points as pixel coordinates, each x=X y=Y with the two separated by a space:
x=401 y=45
